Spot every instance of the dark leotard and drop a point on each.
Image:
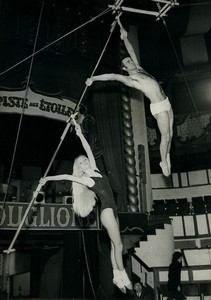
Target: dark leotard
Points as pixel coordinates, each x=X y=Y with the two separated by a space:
x=103 y=190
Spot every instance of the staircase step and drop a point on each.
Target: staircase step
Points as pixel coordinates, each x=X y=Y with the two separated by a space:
x=156 y=226
x=158 y=219
x=133 y=223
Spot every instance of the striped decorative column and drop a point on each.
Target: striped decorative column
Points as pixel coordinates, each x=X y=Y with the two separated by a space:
x=128 y=144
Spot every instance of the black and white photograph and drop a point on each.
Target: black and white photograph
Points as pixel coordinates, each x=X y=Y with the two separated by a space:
x=105 y=149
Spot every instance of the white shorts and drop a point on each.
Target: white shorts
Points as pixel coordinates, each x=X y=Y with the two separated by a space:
x=157 y=108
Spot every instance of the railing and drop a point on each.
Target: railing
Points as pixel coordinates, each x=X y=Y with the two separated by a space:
x=189 y=219
x=193 y=287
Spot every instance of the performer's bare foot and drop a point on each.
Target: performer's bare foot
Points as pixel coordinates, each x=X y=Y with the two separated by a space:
x=168 y=162
x=119 y=283
x=165 y=169
x=126 y=280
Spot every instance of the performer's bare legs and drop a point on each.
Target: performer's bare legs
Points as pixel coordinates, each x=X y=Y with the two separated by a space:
x=165 y=124
x=111 y=224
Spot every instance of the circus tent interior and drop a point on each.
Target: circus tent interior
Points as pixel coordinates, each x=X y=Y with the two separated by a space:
x=48 y=49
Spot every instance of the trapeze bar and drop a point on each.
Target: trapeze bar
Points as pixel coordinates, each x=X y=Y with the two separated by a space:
x=161 y=13
x=140 y=11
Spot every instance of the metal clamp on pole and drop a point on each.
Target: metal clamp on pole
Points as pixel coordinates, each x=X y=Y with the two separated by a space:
x=116 y=6
x=163 y=10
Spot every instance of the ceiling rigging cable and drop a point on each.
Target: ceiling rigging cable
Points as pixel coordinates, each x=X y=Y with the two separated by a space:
x=55 y=41
x=198 y=3
x=36 y=192
x=16 y=142
x=184 y=77
x=179 y=63
x=24 y=101
x=28 y=81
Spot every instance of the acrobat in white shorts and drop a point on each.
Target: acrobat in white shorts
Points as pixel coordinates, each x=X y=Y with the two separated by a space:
x=157 y=108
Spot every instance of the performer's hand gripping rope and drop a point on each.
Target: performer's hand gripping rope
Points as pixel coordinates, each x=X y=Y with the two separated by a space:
x=123 y=32
x=35 y=194
x=76 y=125
x=130 y=49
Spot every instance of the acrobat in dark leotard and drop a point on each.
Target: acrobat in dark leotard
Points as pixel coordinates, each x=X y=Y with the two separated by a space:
x=103 y=190
x=84 y=194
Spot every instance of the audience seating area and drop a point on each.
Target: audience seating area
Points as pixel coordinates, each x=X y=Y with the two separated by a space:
x=186 y=201
x=179 y=207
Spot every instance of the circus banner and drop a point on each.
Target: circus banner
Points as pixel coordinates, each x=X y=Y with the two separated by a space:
x=45 y=217
x=36 y=104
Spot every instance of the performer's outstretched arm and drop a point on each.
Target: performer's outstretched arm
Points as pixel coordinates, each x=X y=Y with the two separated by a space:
x=82 y=180
x=109 y=77
x=86 y=146
x=128 y=45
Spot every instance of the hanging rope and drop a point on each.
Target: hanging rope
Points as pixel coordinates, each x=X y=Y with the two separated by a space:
x=16 y=143
x=55 y=41
x=22 y=111
x=111 y=31
x=184 y=77
x=178 y=61
x=181 y=69
x=36 y=192
x=87 y=264
x=80 y=100
x=193 y=4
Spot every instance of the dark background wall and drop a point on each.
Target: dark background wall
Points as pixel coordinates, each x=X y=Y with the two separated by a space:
x=173 y=54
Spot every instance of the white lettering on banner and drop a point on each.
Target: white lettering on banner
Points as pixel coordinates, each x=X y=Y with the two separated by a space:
x=40 y=217
x=3 y=218
x=59 y=217
x=12 y=217
x=52 y=209
x=36 y=104
x=34 y=219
